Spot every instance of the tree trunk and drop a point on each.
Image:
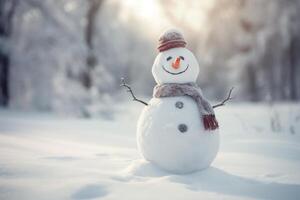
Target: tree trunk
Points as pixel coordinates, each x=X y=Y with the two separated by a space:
x=294 y=54
x=91 y=60
x=7 y=8
x=252 y=83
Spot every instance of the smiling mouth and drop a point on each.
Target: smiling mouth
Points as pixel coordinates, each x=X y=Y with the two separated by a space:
x=175 y=73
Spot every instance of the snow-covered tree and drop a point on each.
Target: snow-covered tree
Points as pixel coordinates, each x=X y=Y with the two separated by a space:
x=69 y=55
x=47 y=55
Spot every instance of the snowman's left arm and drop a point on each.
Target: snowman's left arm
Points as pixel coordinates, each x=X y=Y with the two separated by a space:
x=225 y=100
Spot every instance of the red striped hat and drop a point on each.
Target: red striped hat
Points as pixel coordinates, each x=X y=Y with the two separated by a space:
x=170 y=39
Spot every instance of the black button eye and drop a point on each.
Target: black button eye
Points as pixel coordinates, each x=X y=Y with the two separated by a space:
x=182 y=58
x=169 y=58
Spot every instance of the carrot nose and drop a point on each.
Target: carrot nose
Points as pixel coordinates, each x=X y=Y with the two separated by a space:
x=176 y=64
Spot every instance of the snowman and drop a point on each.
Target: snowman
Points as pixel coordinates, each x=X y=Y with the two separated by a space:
x=177 y=130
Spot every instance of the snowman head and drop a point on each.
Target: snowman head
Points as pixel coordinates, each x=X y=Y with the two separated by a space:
x=174 y=63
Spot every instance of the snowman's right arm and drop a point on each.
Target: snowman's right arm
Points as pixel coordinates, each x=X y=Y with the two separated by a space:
x=131 y=92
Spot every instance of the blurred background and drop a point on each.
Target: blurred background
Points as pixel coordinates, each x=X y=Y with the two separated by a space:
x=64 y=116
x=67 y=56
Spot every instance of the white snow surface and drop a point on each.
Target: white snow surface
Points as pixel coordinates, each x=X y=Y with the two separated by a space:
x=160 y=141
x=48 y=157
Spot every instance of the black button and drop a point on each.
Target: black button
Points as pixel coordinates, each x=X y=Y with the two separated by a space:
x=179 y=104
x=182 y=128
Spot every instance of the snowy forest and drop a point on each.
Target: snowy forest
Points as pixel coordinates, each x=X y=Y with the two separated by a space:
x=70 y=131
x=68 y=56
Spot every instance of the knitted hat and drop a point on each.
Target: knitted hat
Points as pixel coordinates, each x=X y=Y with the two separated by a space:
x=170 y=39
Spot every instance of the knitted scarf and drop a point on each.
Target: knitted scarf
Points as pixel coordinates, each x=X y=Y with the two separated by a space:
x=193 y=91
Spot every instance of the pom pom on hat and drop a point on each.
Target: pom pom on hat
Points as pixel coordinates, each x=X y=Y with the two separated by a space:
x=170 y=39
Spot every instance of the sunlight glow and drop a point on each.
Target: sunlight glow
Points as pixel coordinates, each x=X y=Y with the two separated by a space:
x=146 y=12
x=160 y=15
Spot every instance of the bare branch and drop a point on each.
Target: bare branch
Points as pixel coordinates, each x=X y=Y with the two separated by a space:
x=225 y=100
x=131 y=92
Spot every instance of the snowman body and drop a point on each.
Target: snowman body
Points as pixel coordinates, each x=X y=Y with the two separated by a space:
x=170 y=134
x=170 y=130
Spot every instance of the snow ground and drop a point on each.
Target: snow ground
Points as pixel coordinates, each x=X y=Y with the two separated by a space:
x=50 y=157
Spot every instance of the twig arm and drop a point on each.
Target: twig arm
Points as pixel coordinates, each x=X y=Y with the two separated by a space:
x=225 y=100
x=131 y=92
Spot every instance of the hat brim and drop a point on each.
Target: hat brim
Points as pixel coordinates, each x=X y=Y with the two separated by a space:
x=171 y=44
